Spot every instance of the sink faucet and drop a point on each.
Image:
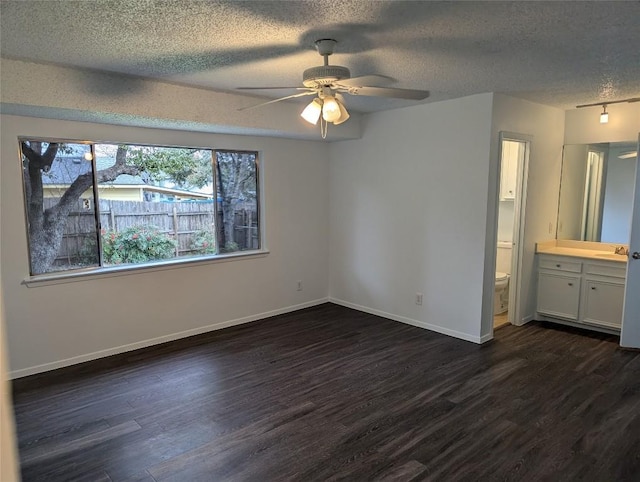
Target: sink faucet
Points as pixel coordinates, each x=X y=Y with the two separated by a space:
x=622 y=250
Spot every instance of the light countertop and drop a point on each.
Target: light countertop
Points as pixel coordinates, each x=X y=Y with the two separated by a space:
x=582 y=249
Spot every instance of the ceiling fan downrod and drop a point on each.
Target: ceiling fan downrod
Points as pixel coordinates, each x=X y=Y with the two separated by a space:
x=318 y=77
x=325 y=48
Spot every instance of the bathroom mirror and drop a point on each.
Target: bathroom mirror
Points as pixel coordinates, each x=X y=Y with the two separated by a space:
x=596 y=192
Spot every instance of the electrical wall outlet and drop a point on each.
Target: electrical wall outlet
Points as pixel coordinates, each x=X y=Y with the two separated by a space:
x=299 y=288
x=418 y=298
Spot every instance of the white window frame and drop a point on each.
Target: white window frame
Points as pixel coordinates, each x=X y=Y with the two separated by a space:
x=96 y=272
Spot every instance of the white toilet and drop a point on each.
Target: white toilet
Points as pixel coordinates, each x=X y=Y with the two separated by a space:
x=503 y=268
x=501 y=297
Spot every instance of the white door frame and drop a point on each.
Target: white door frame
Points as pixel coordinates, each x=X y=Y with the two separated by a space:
x=519 y=209
x=594 y=199
x=630 y=334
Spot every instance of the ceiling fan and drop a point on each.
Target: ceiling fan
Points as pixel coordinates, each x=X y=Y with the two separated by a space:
x=328 y=83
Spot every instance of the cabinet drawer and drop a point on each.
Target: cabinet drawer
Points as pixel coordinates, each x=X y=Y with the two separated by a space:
x=560 y=264
x=617 y=270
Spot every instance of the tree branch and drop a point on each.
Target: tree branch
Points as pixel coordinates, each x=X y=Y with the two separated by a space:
x=85 y=181
x=40 y=161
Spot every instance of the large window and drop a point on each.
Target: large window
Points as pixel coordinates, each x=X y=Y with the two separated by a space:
x=99 y=205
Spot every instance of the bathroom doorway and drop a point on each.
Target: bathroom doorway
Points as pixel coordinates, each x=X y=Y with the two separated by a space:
x=514 y=156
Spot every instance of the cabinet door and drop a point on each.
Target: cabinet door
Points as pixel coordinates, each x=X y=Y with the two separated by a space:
x=602 y=303
x=558 y=295
x=508 y=173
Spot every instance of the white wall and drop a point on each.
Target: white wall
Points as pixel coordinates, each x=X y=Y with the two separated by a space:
x=51 y=326
x=503 y=257
x=408 y=214
x=545 y=125
x=505 y=221
x=8 y=452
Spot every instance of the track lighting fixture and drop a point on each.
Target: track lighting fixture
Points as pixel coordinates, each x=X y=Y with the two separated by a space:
x=604 y=116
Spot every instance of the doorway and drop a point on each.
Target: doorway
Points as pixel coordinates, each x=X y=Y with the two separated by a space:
x=514 y=156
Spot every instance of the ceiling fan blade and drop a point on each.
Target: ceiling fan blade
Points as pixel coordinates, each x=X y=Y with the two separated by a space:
x=373 y=80
x=271 y=88
x=388 y=92
x=302 y=94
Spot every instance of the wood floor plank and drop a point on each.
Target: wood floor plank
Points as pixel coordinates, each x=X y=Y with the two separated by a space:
x=407 y=471
x=330 y=393
x=55 y=450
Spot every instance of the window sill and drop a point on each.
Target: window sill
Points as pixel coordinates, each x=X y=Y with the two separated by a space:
x=114 y=271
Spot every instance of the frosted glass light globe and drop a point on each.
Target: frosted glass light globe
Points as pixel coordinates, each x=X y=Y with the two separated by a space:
x=330 y=109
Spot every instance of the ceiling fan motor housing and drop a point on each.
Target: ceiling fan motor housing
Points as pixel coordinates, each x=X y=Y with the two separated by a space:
x=324 y=75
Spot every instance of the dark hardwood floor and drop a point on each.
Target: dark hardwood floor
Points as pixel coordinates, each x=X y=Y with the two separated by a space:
x=330 y=393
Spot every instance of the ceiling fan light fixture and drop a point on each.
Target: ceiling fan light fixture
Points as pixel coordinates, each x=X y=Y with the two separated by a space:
x=311 y=113
x=331 y=109
x=327 y=83
x=344 y=115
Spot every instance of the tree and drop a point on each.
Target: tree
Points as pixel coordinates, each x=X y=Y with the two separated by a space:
x=46 y=226
x=236 y=183
x=184 y=168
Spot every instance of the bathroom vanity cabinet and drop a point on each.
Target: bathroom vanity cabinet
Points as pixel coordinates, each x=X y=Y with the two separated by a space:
x=586 y=291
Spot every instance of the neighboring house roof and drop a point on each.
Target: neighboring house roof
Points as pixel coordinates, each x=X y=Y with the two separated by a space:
x=127 y=179
x=66 y=168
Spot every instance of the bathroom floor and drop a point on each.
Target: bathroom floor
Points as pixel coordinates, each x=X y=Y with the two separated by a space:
x=500 y=320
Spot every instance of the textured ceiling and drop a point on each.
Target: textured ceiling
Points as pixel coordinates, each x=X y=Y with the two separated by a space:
x=555 y=53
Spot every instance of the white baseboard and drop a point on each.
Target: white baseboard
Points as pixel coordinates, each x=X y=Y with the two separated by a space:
x=45 y=367
x=525 y=320
x=582 y=326
x=409 y=321
x=486 y=338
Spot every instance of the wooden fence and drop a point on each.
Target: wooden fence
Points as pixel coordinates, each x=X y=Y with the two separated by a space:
x=179 y=220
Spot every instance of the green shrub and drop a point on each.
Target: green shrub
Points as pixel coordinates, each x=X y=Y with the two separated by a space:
x=137 y=244
x=203 y=242
x=230 y=247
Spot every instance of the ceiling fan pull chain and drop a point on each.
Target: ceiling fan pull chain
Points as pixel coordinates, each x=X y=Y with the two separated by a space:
x=324 y=127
